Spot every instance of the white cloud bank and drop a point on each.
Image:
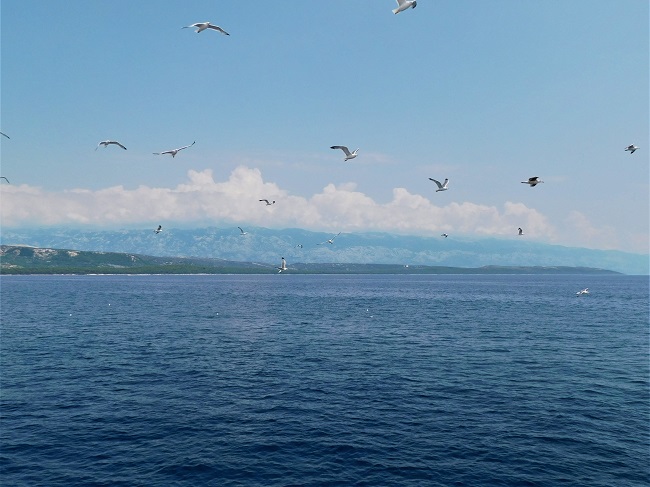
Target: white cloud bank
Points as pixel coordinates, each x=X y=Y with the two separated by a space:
x=202 y=200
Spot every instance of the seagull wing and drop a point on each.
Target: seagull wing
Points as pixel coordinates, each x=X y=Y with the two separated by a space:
x=437 y=182
x=117 y=143
x=534 y=179
x=2 y=177
x=217 y=28
x=266 y=201
x=5 y=135
x=335 y=236
x=186 y=146
x=343 y=148
x=401 y=2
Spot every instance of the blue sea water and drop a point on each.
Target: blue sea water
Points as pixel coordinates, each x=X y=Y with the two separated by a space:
x=287 y=380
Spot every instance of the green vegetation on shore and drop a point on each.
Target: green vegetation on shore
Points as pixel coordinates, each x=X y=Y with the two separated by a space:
x=17 y=260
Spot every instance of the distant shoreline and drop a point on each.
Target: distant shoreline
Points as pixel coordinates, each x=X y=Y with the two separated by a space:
x=24 y=260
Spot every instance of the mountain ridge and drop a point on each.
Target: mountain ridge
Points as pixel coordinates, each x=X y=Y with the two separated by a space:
x=35 y=260
x=298 y=245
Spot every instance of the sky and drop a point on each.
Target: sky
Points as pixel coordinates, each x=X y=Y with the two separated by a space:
x=485 y=93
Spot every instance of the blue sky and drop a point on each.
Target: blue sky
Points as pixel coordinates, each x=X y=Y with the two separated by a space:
x=484 y=93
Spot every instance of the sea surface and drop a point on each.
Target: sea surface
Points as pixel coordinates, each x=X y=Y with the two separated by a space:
x=292 y=380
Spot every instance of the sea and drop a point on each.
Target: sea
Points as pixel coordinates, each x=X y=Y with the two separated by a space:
x=324 y=380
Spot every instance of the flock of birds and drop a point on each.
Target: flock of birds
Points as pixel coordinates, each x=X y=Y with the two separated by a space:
x=402 y=5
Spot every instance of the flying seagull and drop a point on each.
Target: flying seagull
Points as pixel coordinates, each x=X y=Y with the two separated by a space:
x=106 y=143
x=533 y=181
x=631 y=148
x=173 y=152
x=331 y=240
x=404 y=4
x=299 y=246
x=5 y=135
x=2 y=177
x=348 y=155
x=441 y=187
x=584 y=291
x=158 y=230
x=242 y=231
x=283 y=266
x=268 y=203
x=521 y=232
x=201 y=26
x=444 y=235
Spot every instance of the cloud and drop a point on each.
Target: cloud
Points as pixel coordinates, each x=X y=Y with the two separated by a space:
x=200 y=200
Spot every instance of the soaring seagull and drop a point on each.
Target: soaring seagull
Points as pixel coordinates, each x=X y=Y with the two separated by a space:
x=173 y=152
x=201 y=26
x=158 y=230
x=5 y=135
x=331 y=240
x=242 y=231
x=444 y=235
x=283 y=266
x=584 y=291
x=533 y=181
x=631 y=148
x=521 y=232
x=106 y=143
x=268 y=203
x=2 y=177
x=348 y=155
x=441 y=187
x=404 y=4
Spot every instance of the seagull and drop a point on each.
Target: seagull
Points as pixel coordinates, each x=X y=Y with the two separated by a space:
x=444 y=235
x=283 y=266
x=173 y=152
x=533 y=181
x=5 y=135
x=631 y=148
x=299 y=246
x=441 y=187
x=331 y=240
x=106 y=143
x=403 y=5
x=242 y=231
x=2 y=177
x=158 y=230
x=584 y=291
x=521 y=232
x=201 y=26
x=348 y=154
x=268 y=203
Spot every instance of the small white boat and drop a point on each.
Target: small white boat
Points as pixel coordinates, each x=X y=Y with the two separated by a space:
x=584 y=291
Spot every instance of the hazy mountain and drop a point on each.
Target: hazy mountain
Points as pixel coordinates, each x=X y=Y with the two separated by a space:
x=266 y=245
x=16 y=259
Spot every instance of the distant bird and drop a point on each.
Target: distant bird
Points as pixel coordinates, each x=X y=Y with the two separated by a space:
x=299 y=246
x=173 y=152
x=404 y=4
x=268 y=203
x=631 y=148
x=242 y=231
x=521 y=232
x=201 y=26
x=5 y=135
x=158 y=230
x=283 y=266
x=533 y=181
x=2 y=177
x=106 y=143
x=348 y=155
x=444 y=235
x=441 y=187
x=584 y=291
x=331 y=240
